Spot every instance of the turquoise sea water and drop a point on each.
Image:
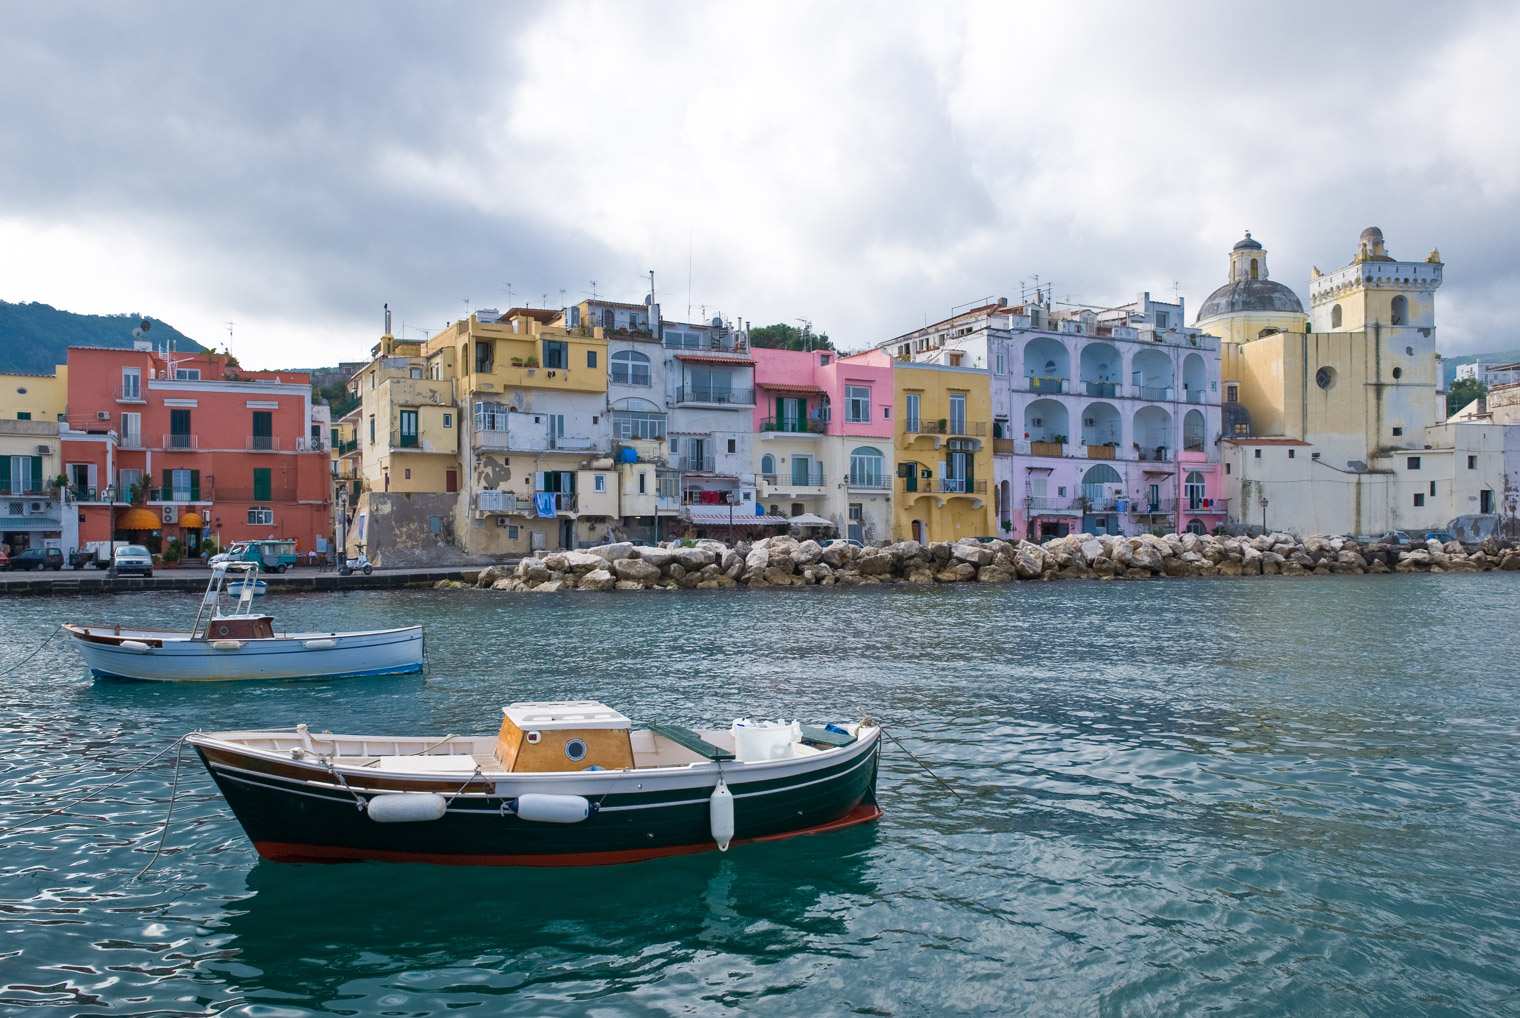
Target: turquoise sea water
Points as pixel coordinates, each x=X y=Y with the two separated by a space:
x=1272 y=797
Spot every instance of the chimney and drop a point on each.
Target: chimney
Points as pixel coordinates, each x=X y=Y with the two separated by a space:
x=387 y=319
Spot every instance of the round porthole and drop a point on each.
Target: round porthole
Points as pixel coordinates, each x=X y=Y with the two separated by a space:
x=221 y=630
x=1325 y=378
x=575 y=749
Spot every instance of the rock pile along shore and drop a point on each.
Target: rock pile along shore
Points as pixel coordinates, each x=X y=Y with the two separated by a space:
x=785 y=561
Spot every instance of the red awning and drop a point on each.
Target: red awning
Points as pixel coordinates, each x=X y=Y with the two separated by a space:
x=776 y=387
x=743 y=516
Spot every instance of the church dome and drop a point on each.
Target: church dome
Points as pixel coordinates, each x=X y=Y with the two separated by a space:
x=1250 y=295
x=1249 y=289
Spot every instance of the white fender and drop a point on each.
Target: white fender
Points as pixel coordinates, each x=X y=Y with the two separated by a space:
x=720 y=809
x=406 y=807
x=319 y=644
x=226 y=644
x=545 y=808
x=135 y=646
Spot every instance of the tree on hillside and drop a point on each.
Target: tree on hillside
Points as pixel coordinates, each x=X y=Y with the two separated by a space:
x=788 y=337
x=1462 y=392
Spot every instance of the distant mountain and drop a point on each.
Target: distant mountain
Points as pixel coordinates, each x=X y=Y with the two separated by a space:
x=1450 y=364
x=34 y=337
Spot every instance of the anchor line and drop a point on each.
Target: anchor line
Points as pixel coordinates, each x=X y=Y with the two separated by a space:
x=925 y=766
x=164 y=834
x=86 y=798
x=34 y=653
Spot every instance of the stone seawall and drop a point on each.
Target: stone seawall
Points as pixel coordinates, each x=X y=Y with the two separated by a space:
x=785 y=561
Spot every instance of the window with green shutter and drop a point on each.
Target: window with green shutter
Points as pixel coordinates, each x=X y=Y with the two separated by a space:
x=34 y=484
x=5 y=475
x=261 y=486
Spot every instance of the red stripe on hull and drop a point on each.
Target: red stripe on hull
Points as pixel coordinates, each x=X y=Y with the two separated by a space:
x=286 y=851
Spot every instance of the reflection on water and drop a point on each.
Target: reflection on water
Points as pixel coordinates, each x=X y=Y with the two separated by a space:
x=1273 y=797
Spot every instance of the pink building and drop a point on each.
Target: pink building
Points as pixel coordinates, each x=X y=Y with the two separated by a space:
x=823 y=439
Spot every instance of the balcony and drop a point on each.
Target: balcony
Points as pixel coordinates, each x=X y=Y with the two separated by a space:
x=344 y=448
x=958 y=486
x=1102 y=452
x=1105 y=390
x=1047 y=385
x=1195 y=395
x=572 y=443
x=792 y=425
x=131 y=440
x=176 y=495
x=128 y=394
x=695 y=464
x=1048 y=504
x=1003 y=446
x=564 y=501
x=1157 y=507
x=262 y=443
x=523 y=438
x=1156 y=393
x=812 y=478
x=953 y=429
x=715 y=396
x=1047 y=448
x=869 y=482
x=1154 y=454
x=1205 y=506
x=180 y=442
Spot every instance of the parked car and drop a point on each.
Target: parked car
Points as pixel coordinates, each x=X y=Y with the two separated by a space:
x=1394 y=537
x=132 y=558
x=840 y=540
x=38 y=558
x=5 y=562
x=1438 y=535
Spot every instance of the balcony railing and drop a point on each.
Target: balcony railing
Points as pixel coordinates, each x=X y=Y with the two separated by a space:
x=1104 y=389
x=1046 y=384
x=812 y=478
x=715 y=394
x=1205 y=506
x=1047 y=448
x=572 y=443
x=1192 y=443
x=564 y=501
x=869 y=482
x=344 y=448
x=792 y=425
x=1003 y=446
x=129 y=394
x=131 y=440
x=1048 y=504
x=1195 y=395
x=699 y=464
x=173 y=442
x=1156 y=507
x=172 y=494
x=944 y=427
x=1101 y=452
x=959 y=486
x=263 y=443
x=1154 y=454
x=1155 y=392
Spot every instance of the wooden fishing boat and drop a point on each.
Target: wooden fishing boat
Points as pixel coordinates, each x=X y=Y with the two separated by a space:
x=240 y=644
x=561 y=784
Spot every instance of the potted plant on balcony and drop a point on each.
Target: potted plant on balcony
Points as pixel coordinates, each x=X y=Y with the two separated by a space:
x=530 y=362
x=517 y=362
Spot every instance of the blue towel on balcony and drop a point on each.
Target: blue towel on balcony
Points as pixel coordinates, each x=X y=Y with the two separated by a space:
x=543 y=501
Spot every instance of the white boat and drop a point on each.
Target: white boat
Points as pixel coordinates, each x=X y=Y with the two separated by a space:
x=236 y=587
x=241 y=645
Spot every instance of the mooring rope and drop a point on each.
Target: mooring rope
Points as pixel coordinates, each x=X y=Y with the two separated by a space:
x=925 y=766
x=33 y=654
x=173 y=794
x=91 y=795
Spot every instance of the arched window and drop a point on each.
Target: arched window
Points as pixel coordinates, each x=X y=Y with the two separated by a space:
x=629 y=367
x=1253 y=268
x=867 y=468
x=1335 y=317
x=1192 y=431
x=768 y=467
x=1096 y=485
x=1399 y=313
x=1195 y=526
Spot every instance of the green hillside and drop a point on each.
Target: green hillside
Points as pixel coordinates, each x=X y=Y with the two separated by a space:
x=34 y=337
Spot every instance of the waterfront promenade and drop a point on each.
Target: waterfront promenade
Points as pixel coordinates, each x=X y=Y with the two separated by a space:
x=97 y=581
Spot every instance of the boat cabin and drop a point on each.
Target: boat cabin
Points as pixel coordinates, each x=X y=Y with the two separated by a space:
x=240 y=627
x=564 y=735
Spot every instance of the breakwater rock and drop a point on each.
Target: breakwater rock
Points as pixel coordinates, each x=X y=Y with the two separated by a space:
x=785 y=561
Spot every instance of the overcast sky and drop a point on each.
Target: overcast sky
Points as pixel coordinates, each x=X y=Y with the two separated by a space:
x=291 y=167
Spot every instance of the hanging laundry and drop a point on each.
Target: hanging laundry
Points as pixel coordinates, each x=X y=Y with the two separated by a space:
x=543 y=501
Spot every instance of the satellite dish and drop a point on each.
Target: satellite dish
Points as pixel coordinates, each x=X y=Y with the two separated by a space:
x=137 y=333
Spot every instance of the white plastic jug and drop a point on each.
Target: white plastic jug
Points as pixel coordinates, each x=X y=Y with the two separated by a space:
x=756 y=741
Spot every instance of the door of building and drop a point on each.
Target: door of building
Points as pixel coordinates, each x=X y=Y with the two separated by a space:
x=567 y=534
x=451 y=481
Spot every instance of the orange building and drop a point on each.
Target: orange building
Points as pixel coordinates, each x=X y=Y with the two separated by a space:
x=205 y=448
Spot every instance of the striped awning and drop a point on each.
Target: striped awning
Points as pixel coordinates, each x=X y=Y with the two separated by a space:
x=742 y=516
x=715 y=358
x=9 y=524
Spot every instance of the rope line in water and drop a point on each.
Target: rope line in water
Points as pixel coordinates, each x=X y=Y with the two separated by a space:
x=173 y=794
x=925 y=766
x=86 y=798
x=33 y=654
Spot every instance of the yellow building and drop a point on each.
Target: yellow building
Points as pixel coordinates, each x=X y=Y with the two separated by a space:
x=35 y=397
x=944 y=452
x=408 y=425
x=536 y=448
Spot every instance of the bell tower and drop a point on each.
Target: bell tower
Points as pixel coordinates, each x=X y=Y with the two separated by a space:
x=1375 y=290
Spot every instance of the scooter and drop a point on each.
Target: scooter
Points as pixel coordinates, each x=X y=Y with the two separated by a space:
x=351 y=564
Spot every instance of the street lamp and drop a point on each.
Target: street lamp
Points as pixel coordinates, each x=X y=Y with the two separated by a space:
x=1263 y=514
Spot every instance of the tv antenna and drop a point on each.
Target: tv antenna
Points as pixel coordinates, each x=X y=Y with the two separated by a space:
x=507 y=289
